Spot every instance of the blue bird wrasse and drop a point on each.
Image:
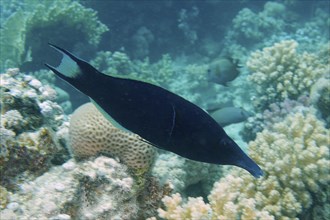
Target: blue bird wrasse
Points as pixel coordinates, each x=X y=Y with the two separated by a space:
x=160 y=117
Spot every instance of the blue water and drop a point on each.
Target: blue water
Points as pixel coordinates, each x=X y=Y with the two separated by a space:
x=182 y=46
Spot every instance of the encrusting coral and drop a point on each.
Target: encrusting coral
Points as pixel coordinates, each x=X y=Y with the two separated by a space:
x=92 y=134
x=294 y=155
x=280 y=72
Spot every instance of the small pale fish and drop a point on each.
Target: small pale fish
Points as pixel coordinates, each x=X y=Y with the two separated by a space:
x=218 y=105
x=223 y=70
x=160 y=117
x=230 y=115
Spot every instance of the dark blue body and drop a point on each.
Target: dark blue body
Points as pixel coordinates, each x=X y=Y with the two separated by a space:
x=161 y=117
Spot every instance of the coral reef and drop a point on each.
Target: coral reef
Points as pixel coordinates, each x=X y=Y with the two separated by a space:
x=46 y=20
x=62 y=97
x=3 y=197
x=248 y=25
x=101 y=188
x=251 y=30
x=194 y=208
x=320 y=97
x=172 y=169
x=116 y=63
x=29 y=102
x=294 y=155
x=77 y=191
x=30 y=122
x=142 y=40
x=280 y=72
x=187 y=23
x=275 y=112
x=92 y=134
x=278 y=21
x=29 y=151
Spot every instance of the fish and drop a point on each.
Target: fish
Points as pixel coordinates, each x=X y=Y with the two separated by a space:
x=212 y=107
x=160 y=117
x=223 y=70
x=230 y=115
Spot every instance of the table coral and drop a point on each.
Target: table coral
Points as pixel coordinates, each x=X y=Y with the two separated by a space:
x=280 y=72
x=294 y=155
x=92 y=134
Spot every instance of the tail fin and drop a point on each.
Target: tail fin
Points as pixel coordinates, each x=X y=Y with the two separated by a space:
x=69 y=67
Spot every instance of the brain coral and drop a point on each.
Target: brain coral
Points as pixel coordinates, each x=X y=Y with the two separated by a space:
x=91 y=134
x=294 y=155
x=279 y=72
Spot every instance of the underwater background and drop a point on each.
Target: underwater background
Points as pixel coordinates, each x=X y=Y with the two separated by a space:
x=260 y=68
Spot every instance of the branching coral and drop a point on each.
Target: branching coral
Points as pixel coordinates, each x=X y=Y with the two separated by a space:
x=280 y=72
x=294 y=155
x=194 y=208
x=46 y=19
